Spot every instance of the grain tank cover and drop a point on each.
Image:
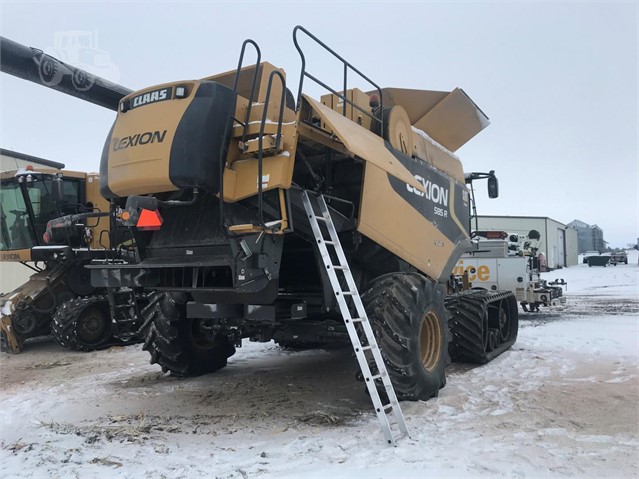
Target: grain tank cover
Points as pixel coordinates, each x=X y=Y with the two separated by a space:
x=449 y=118
x=168 y=137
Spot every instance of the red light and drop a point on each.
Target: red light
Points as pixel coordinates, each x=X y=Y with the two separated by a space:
x=149 y=220
x=46 y=237
x=374 y=101
x=29 y=168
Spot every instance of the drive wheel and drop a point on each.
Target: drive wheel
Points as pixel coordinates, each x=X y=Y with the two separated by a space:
x=174 y=342
x=83 y=324
x=407 y=314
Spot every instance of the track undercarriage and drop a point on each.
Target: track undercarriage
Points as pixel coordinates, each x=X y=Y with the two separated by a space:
x=483 y=324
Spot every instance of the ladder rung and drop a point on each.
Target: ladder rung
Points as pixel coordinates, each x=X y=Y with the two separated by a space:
x=367 y=348
x=330 y=242
x=340 y=268
x=358 y=320
x=349 y=293
x=320 y=218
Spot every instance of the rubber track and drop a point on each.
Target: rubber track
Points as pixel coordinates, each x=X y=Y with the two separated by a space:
x=468 y=310
x=64 y=320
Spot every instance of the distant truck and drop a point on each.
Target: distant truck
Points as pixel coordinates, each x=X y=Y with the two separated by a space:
x=510 y=263
x=620 y=257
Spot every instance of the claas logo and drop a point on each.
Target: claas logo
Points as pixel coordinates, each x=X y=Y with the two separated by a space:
x=475 y=273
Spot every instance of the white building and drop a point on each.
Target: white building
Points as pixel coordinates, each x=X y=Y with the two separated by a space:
x=12 y=160
x=13 y=275
x=558 y=241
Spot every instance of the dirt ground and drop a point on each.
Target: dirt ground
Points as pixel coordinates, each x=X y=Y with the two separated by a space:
x=564 y=401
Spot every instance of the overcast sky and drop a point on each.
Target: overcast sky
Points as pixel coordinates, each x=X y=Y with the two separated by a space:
x=559 y=81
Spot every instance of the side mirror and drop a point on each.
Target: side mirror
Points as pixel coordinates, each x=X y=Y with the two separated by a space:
x=57 y=189
x=493 y=187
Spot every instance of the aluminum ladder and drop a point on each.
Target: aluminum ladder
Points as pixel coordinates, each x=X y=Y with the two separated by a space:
x=358 y=327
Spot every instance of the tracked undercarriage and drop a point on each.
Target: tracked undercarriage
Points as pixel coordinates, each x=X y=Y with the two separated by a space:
x=483 y=324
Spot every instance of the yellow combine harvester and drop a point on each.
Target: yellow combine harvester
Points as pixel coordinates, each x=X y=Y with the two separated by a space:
x=257 y=215
x=58 y=298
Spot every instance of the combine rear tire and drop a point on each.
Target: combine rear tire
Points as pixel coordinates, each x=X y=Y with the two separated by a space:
x=83 y=324
x=484 y=324
x=407 y=314
x=174 y=343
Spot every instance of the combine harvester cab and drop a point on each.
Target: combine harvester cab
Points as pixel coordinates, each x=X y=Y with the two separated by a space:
x=259 y=216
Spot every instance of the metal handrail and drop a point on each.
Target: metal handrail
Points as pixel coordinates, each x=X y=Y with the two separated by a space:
x=246 y=122
x=260 y=152
x=237 y=79
x=347 y=65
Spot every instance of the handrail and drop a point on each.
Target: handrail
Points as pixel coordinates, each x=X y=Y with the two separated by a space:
x=237 y=79
x=246 y=122
x=347 y=65
x=278 y=137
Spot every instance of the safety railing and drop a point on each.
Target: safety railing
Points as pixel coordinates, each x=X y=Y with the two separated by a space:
x=278 y=137
x=347 y=66
x=246 y=120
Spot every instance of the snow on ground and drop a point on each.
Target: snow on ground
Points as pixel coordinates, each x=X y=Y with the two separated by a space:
x=562 y=402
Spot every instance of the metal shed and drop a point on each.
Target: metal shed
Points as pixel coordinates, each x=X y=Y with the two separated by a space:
x=558 y=242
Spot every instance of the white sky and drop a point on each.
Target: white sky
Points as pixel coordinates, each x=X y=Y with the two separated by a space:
x=559 y=81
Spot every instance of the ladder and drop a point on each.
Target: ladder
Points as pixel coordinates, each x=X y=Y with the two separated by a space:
x=126 y=312
x=358 y=326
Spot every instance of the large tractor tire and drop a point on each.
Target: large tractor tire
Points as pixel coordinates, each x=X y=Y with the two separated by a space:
x=83 y=324
x=483 y=323
x=410 y=323
x=174 y=343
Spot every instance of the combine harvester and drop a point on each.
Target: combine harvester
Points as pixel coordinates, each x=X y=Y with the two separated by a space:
x=257 y=215
x=58 y=298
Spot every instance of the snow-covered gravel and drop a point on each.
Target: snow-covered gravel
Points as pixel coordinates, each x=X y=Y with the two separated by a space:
x=564 y=401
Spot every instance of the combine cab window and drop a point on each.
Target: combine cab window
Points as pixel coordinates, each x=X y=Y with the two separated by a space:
x=21 y=228
x=14 y=218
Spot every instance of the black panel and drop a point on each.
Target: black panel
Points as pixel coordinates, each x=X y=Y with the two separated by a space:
x=104 y=168
x=189 y=226
x=202 y=138
x=434 y=205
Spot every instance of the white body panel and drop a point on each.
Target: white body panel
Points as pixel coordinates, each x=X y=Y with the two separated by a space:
x=496 y=273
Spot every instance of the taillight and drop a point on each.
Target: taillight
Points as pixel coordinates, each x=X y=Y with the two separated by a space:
x=149 y=220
